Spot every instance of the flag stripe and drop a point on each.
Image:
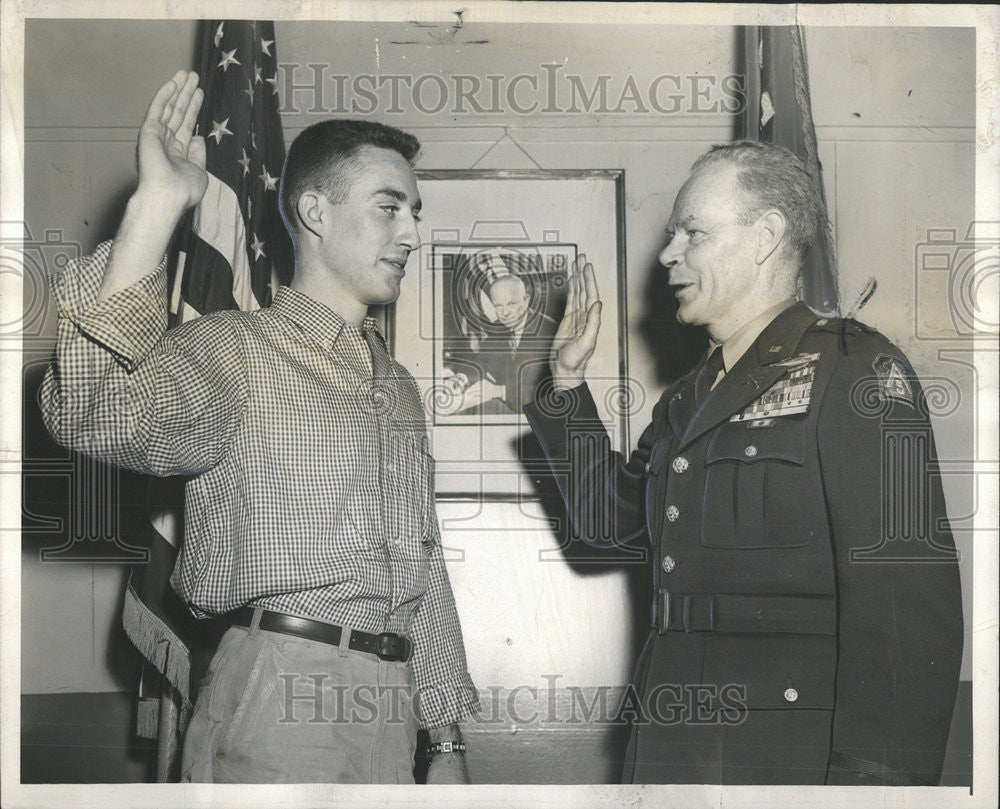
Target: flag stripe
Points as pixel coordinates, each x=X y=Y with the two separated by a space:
x=218 y=222
x=207 y=279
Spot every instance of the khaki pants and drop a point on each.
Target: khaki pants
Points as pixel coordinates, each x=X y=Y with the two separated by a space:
x=274 y=708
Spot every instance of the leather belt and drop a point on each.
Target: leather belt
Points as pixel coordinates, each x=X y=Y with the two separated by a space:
x=387 y=646
x=706 y=612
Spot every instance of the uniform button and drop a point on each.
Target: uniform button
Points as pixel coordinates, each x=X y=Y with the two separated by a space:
x=669 y=564
x=680 y=464
x=822 y=321
x=750 y=451
x=647 y=468
x=791 y=695
x=673 y=513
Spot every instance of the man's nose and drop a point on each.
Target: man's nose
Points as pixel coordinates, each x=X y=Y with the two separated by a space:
x=409 y=236
x=669 y=256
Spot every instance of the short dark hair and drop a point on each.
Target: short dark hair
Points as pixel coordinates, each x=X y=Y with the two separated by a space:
x=320 y=159
x=772 y=177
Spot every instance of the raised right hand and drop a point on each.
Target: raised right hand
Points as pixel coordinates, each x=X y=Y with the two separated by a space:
x=172 y=178
x=576 y=337
x=171 y=158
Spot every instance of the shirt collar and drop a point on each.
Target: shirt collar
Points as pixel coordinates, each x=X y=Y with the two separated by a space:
x=318 y=321
x=736 y=345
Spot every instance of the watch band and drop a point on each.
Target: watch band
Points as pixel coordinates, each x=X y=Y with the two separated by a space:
x=445 y=747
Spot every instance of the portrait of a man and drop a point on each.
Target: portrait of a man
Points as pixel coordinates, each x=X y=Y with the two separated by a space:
x=501 y=306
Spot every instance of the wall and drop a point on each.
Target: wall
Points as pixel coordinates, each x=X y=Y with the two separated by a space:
x=525 y=621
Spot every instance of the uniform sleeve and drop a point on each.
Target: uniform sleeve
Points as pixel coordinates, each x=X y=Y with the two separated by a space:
x=125 y=391
x=604 y=494
x=899 y=597
x=446 y=693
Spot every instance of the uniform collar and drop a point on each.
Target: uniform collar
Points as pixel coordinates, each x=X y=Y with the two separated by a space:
x=317 y=321
x=780 y=339
x=737 y=344
x=751 y=376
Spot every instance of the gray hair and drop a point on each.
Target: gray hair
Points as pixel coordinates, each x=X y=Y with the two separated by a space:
x=772 y=177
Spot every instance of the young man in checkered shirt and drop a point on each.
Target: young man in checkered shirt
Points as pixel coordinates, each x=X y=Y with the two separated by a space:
x=310 y=519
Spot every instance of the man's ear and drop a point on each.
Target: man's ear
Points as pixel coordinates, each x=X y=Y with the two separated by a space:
x=311 y=211
x=771 y=228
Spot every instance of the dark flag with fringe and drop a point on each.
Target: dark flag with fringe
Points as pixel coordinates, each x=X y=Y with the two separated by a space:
x=778 y=111
x=233 y=251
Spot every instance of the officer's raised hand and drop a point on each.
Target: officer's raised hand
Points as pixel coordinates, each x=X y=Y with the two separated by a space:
x=576 y=337
x=172 y=178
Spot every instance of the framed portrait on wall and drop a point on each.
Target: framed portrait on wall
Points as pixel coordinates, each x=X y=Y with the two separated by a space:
x=480 y=305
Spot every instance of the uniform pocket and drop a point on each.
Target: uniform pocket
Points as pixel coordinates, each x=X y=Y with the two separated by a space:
x=753 y=485
x=790 y=672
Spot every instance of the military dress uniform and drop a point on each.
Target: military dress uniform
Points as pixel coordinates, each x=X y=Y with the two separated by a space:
x=807 y=614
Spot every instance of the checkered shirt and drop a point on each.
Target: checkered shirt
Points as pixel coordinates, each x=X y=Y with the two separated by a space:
x=314 y=488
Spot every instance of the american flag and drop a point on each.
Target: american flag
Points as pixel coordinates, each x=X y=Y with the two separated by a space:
x=237 y=249
x=778 y=111
x=233 y=252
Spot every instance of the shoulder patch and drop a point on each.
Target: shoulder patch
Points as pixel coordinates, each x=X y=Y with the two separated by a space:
x=892 y=379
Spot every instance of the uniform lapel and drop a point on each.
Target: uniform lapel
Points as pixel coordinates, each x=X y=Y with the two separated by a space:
x=757 y=370
x=681 y=405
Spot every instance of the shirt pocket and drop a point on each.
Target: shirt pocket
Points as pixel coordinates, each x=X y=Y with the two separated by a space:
x=753 y=487
x=414 y=482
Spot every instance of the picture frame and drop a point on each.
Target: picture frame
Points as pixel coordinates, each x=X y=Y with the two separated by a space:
x=479 y=306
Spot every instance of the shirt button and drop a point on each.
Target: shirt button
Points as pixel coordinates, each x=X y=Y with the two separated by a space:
x=669 y=564
x=673 y=513
x=791 y=695
x=750 y=451
x=680 y=464
x=647 y=468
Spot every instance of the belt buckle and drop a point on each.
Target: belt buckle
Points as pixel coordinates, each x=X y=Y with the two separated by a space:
x=394 y=647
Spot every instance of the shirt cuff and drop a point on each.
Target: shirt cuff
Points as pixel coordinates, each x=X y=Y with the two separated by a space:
x=447 y=703
x=130 y=322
